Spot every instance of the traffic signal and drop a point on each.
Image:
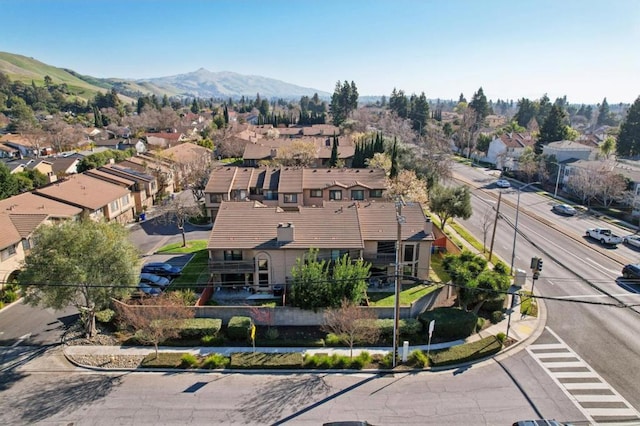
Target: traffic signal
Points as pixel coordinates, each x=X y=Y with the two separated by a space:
x=534 y=263
x=539 y=266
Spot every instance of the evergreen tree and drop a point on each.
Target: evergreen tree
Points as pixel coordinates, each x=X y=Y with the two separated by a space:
x=333 y=161
x=462 y=99
x=554 y=128
x=419 y=112
x=629 y=136
x=8 y=182
x=480 y=105
x=394 y=160
x=605 y=118
x=194 y=106
x=165 y=101
x=526 y=111
x=343 y=101
x=544 y=108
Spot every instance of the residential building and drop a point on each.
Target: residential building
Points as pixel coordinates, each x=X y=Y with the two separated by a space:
x=145 y=185
x=266 y=150
x=99 y=199
x=569 y=150
x=505 y=149
x=290 y=187
x=256 y=246
x=20 y=215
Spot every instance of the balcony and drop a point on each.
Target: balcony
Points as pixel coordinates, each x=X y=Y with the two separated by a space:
x=231 y=266
x=380 y=258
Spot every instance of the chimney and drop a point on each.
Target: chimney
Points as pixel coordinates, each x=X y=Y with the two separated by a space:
x=286 y=232
x=428 y=226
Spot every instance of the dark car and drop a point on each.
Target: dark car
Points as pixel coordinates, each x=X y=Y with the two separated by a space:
x=631 y=271
x=154 y=280
x=162 y=269
x=148 y=290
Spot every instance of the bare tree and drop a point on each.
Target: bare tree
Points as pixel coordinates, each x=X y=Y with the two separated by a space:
x=178 y=211
x=61 y=135
x=299 y=153
x=610 y=186
x=485 y=223
x=352 y=324
x=194 y=175
x=155 y=319
x=580 y=182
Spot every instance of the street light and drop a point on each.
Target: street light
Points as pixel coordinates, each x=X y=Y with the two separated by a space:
x=396 y=310
x=515 y=227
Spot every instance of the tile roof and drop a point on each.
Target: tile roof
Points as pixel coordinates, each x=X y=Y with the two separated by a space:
x=84 y=191
x=25 y=224
x=31 y=203
x=347 y=178
x=9 y=234
x=186 y=152
x=62 y=164
x=291 y=180
x=251 y=225
x=517 y=140
x=110 y=177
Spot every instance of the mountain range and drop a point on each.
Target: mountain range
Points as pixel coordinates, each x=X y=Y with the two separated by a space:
x=201 y=83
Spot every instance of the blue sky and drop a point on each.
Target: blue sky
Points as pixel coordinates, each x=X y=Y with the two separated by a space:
x=584 y=49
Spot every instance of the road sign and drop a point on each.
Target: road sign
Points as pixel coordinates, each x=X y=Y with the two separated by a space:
x=432 y=325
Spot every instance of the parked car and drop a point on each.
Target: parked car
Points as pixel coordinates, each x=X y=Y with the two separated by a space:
x=632 y=240
x=162 y=269
x=154 y=280
x=564 y=209
x=503 y=183
x=148 y=290
x=631 y=271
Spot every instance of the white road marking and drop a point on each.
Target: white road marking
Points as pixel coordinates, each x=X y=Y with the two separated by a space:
x=589 y=380
x=21 y=339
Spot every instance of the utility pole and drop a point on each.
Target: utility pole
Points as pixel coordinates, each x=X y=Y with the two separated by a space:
x=495 y=224
x=396 y=310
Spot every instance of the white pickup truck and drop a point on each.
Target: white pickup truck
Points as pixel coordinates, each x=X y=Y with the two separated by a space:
x=605 y=236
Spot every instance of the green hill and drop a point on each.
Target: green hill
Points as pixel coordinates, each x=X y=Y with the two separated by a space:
x=26 y=70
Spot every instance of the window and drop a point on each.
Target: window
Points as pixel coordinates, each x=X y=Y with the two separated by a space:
x=233 y=255
x=316 y=193
x=337 y=254
x=255 y=191
x=8 y=252
x=124 y=201
x=113 y=206
x=335 y=194
x=215 y=198
x=357 y=194
x=271 y=195
x=26 y=244
x=375 y=193
x=262 y=271
x=290 y=198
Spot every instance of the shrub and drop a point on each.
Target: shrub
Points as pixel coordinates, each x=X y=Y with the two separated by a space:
x=209 y=340
x=451 y=323
x=387 y=361
x=239 y=328
x=501 y=337
x=9 y=296
x=336 y=361
x=418 y=359
x=189 y=360
x=272 y=333
x=215 y=361
x=1 y=304
x=261 y=360
x=495 y=304
x=496 y=317
x=334 y=340
x=188 y=296
x=105 y=316
x=407 y=327
x=480 y=324
x=501 y=268
x=466 y=352
x=196 y=327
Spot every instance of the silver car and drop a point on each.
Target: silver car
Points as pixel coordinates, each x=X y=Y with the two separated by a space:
x=632 y=240
x=564 y=209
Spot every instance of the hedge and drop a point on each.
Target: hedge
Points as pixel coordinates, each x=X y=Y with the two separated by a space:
x=407 y=327
x=163 y=360
x=496 y=304
x=239 y=328
x=198 y=327
x=466 y=352
x=451 y=323
x=243 y=360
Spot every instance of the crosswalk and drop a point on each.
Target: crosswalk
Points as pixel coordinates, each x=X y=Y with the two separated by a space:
x=591 y=394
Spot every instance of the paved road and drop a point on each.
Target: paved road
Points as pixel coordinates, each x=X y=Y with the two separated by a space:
x=603 y=336
x=495 y=393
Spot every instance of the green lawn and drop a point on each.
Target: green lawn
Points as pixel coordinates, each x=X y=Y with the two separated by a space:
x=192 y=247
x=407 y=296
x=195 y=274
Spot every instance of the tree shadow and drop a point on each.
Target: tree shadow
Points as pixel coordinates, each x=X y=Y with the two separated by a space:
x=67 y=394
x=291 y=393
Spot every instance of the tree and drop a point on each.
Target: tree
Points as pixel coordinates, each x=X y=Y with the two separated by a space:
x=178 y=211
x=486 y=223
x=155 y=319
x=351 y=324
x=9 y=185
x=482 y=145
x=298 y=153
x=608 y=147
x=629 y=136
x=480 y=105
x=528 y=163
x=333 y=161
x=343 y=101
x=450 y=202
x=84 y=263
x=408 y=185
x=194 y=175
x=605 y=117
x=554 y=128
x=526 y=111
x=317 y=285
